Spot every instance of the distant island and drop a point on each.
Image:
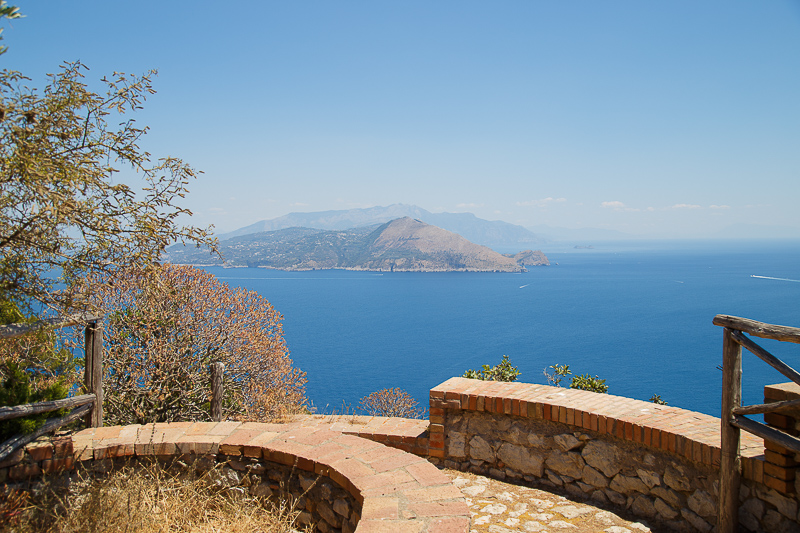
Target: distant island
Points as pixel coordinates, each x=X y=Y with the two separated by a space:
x=402 y=245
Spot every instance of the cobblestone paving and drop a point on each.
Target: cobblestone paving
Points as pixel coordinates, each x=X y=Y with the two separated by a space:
x=499 y=507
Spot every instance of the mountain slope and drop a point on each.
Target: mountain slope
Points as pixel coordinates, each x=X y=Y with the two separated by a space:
x=404 y=244
x=488 y=233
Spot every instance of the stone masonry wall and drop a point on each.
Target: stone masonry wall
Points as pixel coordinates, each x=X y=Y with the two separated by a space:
x=658 y=462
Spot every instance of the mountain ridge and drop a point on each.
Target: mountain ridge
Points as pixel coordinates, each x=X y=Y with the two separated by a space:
x=491 y=233
x=403 y=244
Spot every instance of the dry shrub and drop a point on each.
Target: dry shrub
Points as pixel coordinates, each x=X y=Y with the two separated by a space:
x=166 y=324
x=149 y=499
x=392 y=402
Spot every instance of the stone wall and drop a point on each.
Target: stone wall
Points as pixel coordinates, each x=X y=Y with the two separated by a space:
x=343 y=482
x=658 y=462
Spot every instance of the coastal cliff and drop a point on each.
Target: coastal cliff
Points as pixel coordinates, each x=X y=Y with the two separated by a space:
x=403 y=245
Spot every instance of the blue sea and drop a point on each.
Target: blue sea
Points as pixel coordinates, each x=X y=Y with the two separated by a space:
x=635 y=314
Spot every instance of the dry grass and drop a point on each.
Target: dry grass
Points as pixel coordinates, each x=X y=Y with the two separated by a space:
x=147 y=498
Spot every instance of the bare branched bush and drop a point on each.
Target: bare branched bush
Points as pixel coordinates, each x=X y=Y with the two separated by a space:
x=166 y=324
x=392 y=402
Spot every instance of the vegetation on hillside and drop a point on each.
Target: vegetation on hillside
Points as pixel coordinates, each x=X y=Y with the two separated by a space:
x=166 y=324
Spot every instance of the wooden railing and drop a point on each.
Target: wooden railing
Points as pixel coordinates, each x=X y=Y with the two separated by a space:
x=733 y=413
x=88 y=405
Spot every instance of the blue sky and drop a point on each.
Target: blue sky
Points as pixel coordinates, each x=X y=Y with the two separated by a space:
x=660 y=118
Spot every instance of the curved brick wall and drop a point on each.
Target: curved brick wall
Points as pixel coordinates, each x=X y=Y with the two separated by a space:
x=388 y=489
x=660 y=462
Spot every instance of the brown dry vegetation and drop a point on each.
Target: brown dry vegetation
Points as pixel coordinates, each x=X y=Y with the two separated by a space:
x=165 y=325
x=147 y=498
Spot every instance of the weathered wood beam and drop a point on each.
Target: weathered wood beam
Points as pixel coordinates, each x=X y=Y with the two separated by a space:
x=9 y=331
x=759 y=329
x=730 y=467
x=217 y=371
x=767 y=432
x=774 y=407
x=53 y=424
x=8 y=413
x=767 y=357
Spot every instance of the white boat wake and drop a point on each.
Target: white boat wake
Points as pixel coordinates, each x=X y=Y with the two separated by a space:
x=776 y=279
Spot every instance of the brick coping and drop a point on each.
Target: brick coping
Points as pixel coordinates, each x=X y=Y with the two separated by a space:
x=398 y=491
x=693 y=435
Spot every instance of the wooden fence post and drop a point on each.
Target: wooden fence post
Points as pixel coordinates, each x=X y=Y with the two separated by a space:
x=217 y=370
x=730 y=460
x=93 y=372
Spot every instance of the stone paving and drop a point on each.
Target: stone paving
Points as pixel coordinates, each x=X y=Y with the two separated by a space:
x=500 y=507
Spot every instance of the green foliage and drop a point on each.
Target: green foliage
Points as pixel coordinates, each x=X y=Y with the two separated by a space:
x=501 y=372
x=8 y=12
x=559 y=372
x=655 y=398
x=16 y=390
x=582 y=382
x=32 y=369
x=63 y=210
x=587 y=382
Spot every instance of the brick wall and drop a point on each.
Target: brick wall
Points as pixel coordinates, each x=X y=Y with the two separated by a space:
x=660 y=462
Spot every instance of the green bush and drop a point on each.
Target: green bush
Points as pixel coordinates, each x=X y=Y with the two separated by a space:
x=16 y=390
x=656 y=399
x=582 y=382
x=587 y=382
x=501 y=372
x=32 y=369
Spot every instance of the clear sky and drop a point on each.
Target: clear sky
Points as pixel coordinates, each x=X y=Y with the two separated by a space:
x=665 y=118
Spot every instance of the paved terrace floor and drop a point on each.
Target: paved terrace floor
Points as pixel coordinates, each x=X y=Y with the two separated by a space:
x=400 y=492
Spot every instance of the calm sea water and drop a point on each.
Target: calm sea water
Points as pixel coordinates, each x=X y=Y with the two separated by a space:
x=638 y=315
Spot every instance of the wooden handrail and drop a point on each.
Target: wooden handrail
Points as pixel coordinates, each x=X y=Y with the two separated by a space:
x=89 y=405
x=9 y=331
x=759 y=329
x=16 y=411
x=732 y=412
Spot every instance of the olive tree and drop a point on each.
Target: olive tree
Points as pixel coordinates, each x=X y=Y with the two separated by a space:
x=65 y=212
x=166 y=324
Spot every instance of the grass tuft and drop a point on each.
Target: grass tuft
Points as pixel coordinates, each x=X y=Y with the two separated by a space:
x=144 y=498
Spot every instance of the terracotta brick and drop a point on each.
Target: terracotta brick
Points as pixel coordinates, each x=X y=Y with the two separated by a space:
x=480 y=404
x=570 y=418
x=110 y=432
x=56 y=465
x=24 y=471
x=380 y=509
x=769 y=445
x=198 y=444
x=424 y=509
x=779 y=459
x=436 y=411
x=473 y=402
x=426 y=474
x=779 y=472
x=397 y=461
x=786 y=487
x=62 y=446
x=390 y=526
x=450 y=524
x=39 y=451
x=716 y=456
x=434 y=452
x=779 y=421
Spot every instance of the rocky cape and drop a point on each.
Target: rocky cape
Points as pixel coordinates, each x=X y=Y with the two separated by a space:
x=401 y=245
